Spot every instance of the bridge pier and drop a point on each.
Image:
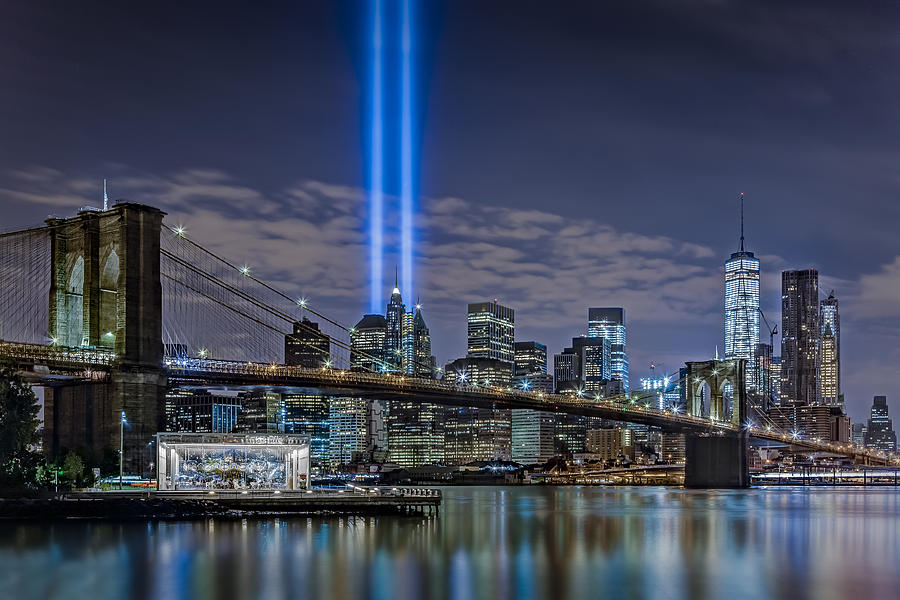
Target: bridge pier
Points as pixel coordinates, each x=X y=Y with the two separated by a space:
x=717 y=461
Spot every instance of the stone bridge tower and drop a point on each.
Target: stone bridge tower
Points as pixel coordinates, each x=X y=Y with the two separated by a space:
x=105 y=293
x=717 y=461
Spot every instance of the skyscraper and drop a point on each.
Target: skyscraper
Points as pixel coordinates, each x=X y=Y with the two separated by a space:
x=491 y=331
x=880 y=430
x=306 y=346
x=306 y=413
x=594 y=357
x=609 y=323
x=532 y=430
x=566 y=371
x=416 y=345
x=799 y=336
x=393 y=339
x=367 y=344
x=830 y=352
x=348 y=425
x=742 y=307
x=530 y=358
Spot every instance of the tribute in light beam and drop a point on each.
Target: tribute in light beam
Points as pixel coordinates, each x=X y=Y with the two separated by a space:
x=376 y=174
x=406 y=154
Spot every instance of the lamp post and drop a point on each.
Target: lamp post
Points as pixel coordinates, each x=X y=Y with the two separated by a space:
x=121 y=448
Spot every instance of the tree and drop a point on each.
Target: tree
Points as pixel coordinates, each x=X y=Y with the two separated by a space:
x=73 y=468
x=20 y=464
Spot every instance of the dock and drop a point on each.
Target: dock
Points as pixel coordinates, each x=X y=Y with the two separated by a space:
x=200 y=504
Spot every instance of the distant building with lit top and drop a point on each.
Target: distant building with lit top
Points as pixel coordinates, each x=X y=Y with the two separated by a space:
x=830 y=352
x=393 y=340
x=609 y=323
x=880 y=433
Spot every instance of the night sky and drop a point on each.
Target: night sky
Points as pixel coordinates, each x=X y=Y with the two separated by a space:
x=572 y=154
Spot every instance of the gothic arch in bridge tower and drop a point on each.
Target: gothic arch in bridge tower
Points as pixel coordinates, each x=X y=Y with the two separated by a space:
x=109 y=292
x=716 y=375
x=73 y=332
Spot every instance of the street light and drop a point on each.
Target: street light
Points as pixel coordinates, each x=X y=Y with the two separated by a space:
x=121 y=448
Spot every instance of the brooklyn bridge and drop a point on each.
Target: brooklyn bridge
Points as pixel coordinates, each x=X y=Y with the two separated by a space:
x=109 y=309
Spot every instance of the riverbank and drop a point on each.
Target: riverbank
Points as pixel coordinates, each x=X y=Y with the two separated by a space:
x=143 y=505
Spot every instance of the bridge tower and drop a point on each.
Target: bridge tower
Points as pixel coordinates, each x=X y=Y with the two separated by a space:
x=717 y=461
x=105 y=293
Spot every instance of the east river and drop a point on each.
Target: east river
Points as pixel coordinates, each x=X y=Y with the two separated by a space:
x=489 y=542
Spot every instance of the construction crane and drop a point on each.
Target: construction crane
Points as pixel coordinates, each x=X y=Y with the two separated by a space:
x=773 y=331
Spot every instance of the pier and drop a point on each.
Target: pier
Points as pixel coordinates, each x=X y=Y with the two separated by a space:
x=154 y=504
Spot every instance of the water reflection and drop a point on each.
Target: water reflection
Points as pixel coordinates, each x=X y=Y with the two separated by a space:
x=488 y=543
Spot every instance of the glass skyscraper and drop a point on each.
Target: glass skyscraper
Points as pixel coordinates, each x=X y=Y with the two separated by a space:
x=742 y=310
x=609 y=323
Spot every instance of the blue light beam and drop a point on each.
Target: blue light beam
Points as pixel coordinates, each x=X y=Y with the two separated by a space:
x=406 y=155
x=376 y=172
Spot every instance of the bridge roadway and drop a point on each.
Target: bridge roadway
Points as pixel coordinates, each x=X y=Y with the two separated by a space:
x=39 y=361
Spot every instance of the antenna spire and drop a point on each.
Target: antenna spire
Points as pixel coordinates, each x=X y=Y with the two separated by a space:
x=742 y=221
x=105 y=197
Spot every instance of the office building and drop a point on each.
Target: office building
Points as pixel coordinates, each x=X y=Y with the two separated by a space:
x=858 y=434
x=416 y=346
x=415 y=433
x=609 y=323
x=799 y=336
x=609 y=444
x=260 y=412
x=530 y=358
x=761 y=397
x=880 y=430
x=306 y=346
x=393 y=339
x=306 y=413
x=348 y=427
x=566 y=372
x=202 y=411
x=594 y=360
x=830 y=352
x=775 y=380
x=742 y=308
x=532 y=436
x=482 y=372
x=476 y=434
x=491 y=331
x=367 y=344
x=532 y=430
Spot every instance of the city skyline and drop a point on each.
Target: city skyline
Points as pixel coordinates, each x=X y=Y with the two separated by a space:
x=549 y=240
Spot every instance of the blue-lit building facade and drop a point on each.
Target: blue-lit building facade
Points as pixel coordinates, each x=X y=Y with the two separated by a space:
x=742 y=311
x=609 y=323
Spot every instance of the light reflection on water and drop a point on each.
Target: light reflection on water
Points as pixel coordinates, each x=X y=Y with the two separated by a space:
x=489 y=542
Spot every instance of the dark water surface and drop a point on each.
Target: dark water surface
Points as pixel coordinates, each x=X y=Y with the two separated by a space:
x=489 y=542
